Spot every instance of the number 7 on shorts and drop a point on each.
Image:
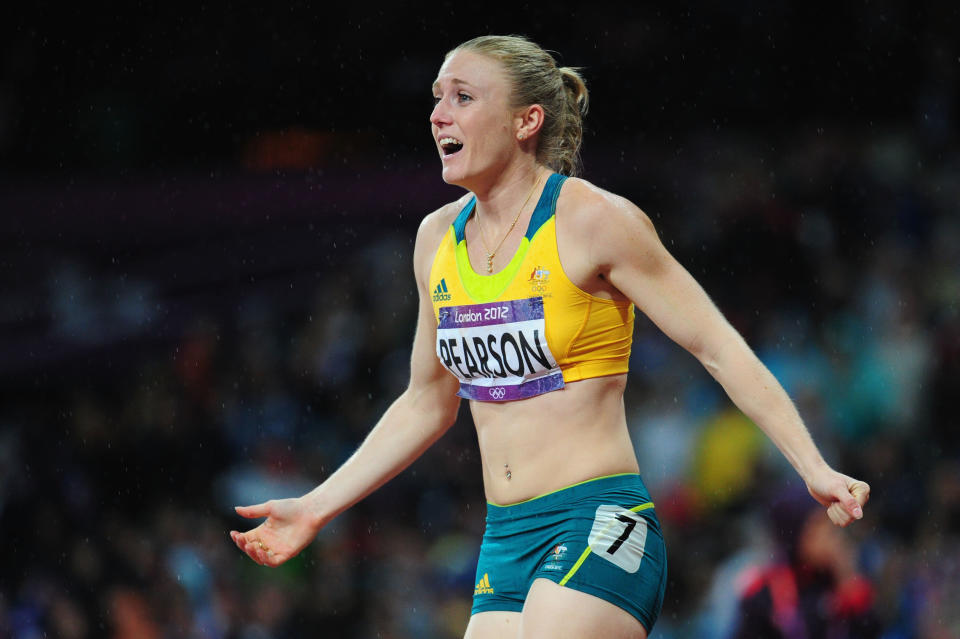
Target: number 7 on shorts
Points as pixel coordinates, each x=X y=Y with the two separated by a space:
x=619 y=536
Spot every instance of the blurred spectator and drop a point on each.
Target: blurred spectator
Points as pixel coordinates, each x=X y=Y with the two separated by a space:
x=121 y=452
x=813 y=590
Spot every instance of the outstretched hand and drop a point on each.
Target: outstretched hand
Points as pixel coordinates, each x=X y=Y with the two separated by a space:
x=843 y=496
x=288 y=529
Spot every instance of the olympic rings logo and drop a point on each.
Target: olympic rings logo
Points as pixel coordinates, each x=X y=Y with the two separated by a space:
x=498 y=392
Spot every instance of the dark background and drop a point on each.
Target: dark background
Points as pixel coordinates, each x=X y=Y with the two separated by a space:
x=206 y=297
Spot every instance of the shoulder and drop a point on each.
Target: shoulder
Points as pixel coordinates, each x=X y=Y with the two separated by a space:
x=587 y=204
x=432 y=229
x=609 y=222
x=435 y=224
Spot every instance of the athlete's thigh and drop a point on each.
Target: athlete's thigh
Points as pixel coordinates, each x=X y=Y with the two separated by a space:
x=563 y=613
x=494 y=624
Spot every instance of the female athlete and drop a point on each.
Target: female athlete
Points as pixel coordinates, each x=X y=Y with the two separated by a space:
x=527 y=290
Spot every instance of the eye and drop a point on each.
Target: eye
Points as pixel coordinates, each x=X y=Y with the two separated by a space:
x=463 y=97
x=436 y=100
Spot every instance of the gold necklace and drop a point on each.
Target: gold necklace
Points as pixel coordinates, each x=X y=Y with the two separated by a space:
x=491 y=254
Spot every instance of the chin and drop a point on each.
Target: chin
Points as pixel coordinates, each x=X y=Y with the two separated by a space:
x=466 y=177
x=452 y=176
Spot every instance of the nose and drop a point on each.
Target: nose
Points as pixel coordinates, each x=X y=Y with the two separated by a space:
x=440 y=114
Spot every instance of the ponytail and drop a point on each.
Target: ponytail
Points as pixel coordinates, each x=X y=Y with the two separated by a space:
x=535 y=79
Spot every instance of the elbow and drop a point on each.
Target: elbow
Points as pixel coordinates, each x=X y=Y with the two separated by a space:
x=437 y=419
x=710 y=354
x=438 y=407
x=697 y=346
x=718 y=349
x=446 y=411
x=710 y=362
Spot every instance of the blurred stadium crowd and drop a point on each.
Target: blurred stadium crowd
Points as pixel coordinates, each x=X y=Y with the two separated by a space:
x=836 y=255
x=179 y=335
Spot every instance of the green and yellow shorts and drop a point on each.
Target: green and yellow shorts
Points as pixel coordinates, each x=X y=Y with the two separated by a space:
x=600 y=537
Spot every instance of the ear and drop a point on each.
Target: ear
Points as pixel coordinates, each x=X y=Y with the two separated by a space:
x=528 y=122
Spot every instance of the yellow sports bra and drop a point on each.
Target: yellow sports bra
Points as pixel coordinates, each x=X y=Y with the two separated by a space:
x=528 y=329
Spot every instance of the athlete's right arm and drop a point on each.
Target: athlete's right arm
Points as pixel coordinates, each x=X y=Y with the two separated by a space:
x=422 y=413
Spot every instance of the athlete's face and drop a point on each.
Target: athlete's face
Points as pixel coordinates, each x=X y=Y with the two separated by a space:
x=472 y=123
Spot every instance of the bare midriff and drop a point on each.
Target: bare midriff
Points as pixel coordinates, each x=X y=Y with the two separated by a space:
x=538 y=445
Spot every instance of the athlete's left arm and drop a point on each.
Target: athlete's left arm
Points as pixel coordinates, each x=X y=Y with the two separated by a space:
x=630 y=255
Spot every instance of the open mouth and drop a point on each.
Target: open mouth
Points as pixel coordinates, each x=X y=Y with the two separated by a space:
x=450 y=145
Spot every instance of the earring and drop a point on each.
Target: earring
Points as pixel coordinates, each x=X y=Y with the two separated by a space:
x=520 y=136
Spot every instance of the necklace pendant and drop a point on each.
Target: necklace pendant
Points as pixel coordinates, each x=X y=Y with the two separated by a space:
x=489 y=262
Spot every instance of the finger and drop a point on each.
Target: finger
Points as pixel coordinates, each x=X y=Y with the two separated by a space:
x=242 y=539
x=270 y=559
x=848 y=502
x=860 y=491
x=251 y=512
x=838 y=514
x=238 y=539
x=265 y=556
x=260 y=552
x=852 y=506
x=253 y=550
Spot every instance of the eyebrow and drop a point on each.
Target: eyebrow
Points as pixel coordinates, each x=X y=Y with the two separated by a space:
x=453 y=81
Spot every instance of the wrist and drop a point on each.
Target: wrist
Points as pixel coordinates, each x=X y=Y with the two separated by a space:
x=808 y=469
x=315 y=507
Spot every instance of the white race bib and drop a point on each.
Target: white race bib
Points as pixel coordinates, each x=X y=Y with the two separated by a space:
x=498 y=350
x=619 y=535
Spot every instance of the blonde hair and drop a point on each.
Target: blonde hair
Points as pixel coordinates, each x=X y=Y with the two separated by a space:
x=536 y=79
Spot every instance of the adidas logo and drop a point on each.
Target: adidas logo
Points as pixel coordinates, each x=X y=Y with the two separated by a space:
x=483 y=586
x=440 y=293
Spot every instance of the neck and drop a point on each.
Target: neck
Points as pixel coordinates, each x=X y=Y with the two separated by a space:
x=500 y=200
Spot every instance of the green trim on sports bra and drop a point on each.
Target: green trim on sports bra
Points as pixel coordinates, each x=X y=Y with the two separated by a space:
x=486 y=288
